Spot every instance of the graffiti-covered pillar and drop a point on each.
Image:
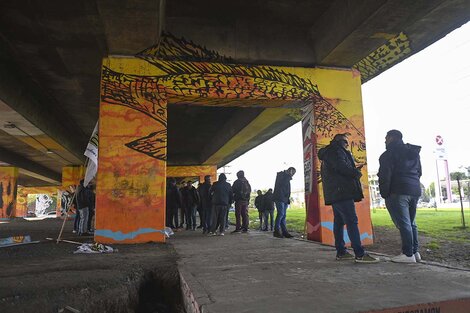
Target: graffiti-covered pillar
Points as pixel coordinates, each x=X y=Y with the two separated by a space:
x=8 y=191
x=130 y=189
x=339 y=111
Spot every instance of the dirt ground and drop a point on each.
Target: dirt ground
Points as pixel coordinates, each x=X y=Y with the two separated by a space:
x=49 y=277
x=387 y=241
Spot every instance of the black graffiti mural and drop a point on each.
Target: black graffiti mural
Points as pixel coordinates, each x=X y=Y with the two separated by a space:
x=198 y=75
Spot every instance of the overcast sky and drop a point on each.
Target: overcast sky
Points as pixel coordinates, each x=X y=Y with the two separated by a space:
x=426 y=95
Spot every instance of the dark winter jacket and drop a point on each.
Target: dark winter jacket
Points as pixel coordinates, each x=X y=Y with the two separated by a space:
x=237 y=190
x=173 y=197
x=204 y=194
x=85 y=197
x=221 y=193
x=400 y=170
x=339 y=174
x=282 y=187
x=190 y=197
x=259 y=203
x=268 y=201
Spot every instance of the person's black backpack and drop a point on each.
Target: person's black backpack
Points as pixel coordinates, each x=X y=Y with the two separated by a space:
x=245 y=190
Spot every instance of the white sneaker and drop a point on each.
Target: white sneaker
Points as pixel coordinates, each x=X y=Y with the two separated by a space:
x=402 y=258
x=418 y=257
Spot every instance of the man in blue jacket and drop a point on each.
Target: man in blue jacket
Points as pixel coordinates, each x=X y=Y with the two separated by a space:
x=399 y=174
x=341 y=188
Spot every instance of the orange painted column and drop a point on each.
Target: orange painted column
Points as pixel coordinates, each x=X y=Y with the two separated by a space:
x=8 y=191
x=131 y=180
x=340 y=111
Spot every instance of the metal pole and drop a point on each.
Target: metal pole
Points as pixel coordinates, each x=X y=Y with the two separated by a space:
x=461 y=202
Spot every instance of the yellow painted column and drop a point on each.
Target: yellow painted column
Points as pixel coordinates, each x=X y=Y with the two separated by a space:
x=8 y=191
x=131 y=180
x=339 y=111
x=71 y=176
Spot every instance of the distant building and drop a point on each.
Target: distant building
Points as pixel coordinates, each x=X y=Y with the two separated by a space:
x=376 y=201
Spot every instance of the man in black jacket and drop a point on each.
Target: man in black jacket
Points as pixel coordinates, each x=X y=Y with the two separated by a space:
x=281 y=197
x=341 y=188
x=173 y=203
x=85 y=203
x=399 y=174
x=206 y=203
x=241 y=193
x=190 y=202
x=222 y=197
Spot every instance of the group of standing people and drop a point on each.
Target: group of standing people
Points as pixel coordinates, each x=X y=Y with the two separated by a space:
x=399 y=174
x=399 y=183
x=214 y=200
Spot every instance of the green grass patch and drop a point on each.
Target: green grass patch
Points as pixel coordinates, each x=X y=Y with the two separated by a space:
x=439 y=224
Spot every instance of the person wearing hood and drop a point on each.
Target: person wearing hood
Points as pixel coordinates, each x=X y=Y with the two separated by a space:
x=281 y=197
x=341 y=188
x=206 y=204
x=399 y=174
x=241 y=192
x=222 y=197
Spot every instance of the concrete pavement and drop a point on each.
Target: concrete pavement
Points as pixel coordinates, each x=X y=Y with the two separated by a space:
x=255 y=272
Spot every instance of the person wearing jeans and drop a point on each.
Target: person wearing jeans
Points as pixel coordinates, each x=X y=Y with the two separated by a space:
x=345 y=214
x=402 y=209
x=281 y=197
x=341 y=188
x=399 y=174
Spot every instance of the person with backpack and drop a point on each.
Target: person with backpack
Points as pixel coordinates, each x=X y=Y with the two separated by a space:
x=259 y=204
x=268 y=214
x=281 y=197
x=399 y=174
x=241 y=191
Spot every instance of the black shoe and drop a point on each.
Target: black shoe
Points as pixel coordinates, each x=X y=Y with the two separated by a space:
x=277 y=234
x=200 y=226
x=287 y=235
x=236 y=231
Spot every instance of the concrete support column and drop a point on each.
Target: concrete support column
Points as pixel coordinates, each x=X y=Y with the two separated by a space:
x=131 y=180
x=8 y=191
x=339 y=111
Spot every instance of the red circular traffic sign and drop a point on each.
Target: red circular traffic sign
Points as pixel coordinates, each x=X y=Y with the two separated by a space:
x=439 y=140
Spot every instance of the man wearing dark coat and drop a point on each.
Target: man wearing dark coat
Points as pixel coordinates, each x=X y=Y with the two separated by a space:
x=222 y=197
x=190 y=203
x=399 y=174
x=281 y=197
x=173 y=203
x=206 y=203
x=341 y=188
